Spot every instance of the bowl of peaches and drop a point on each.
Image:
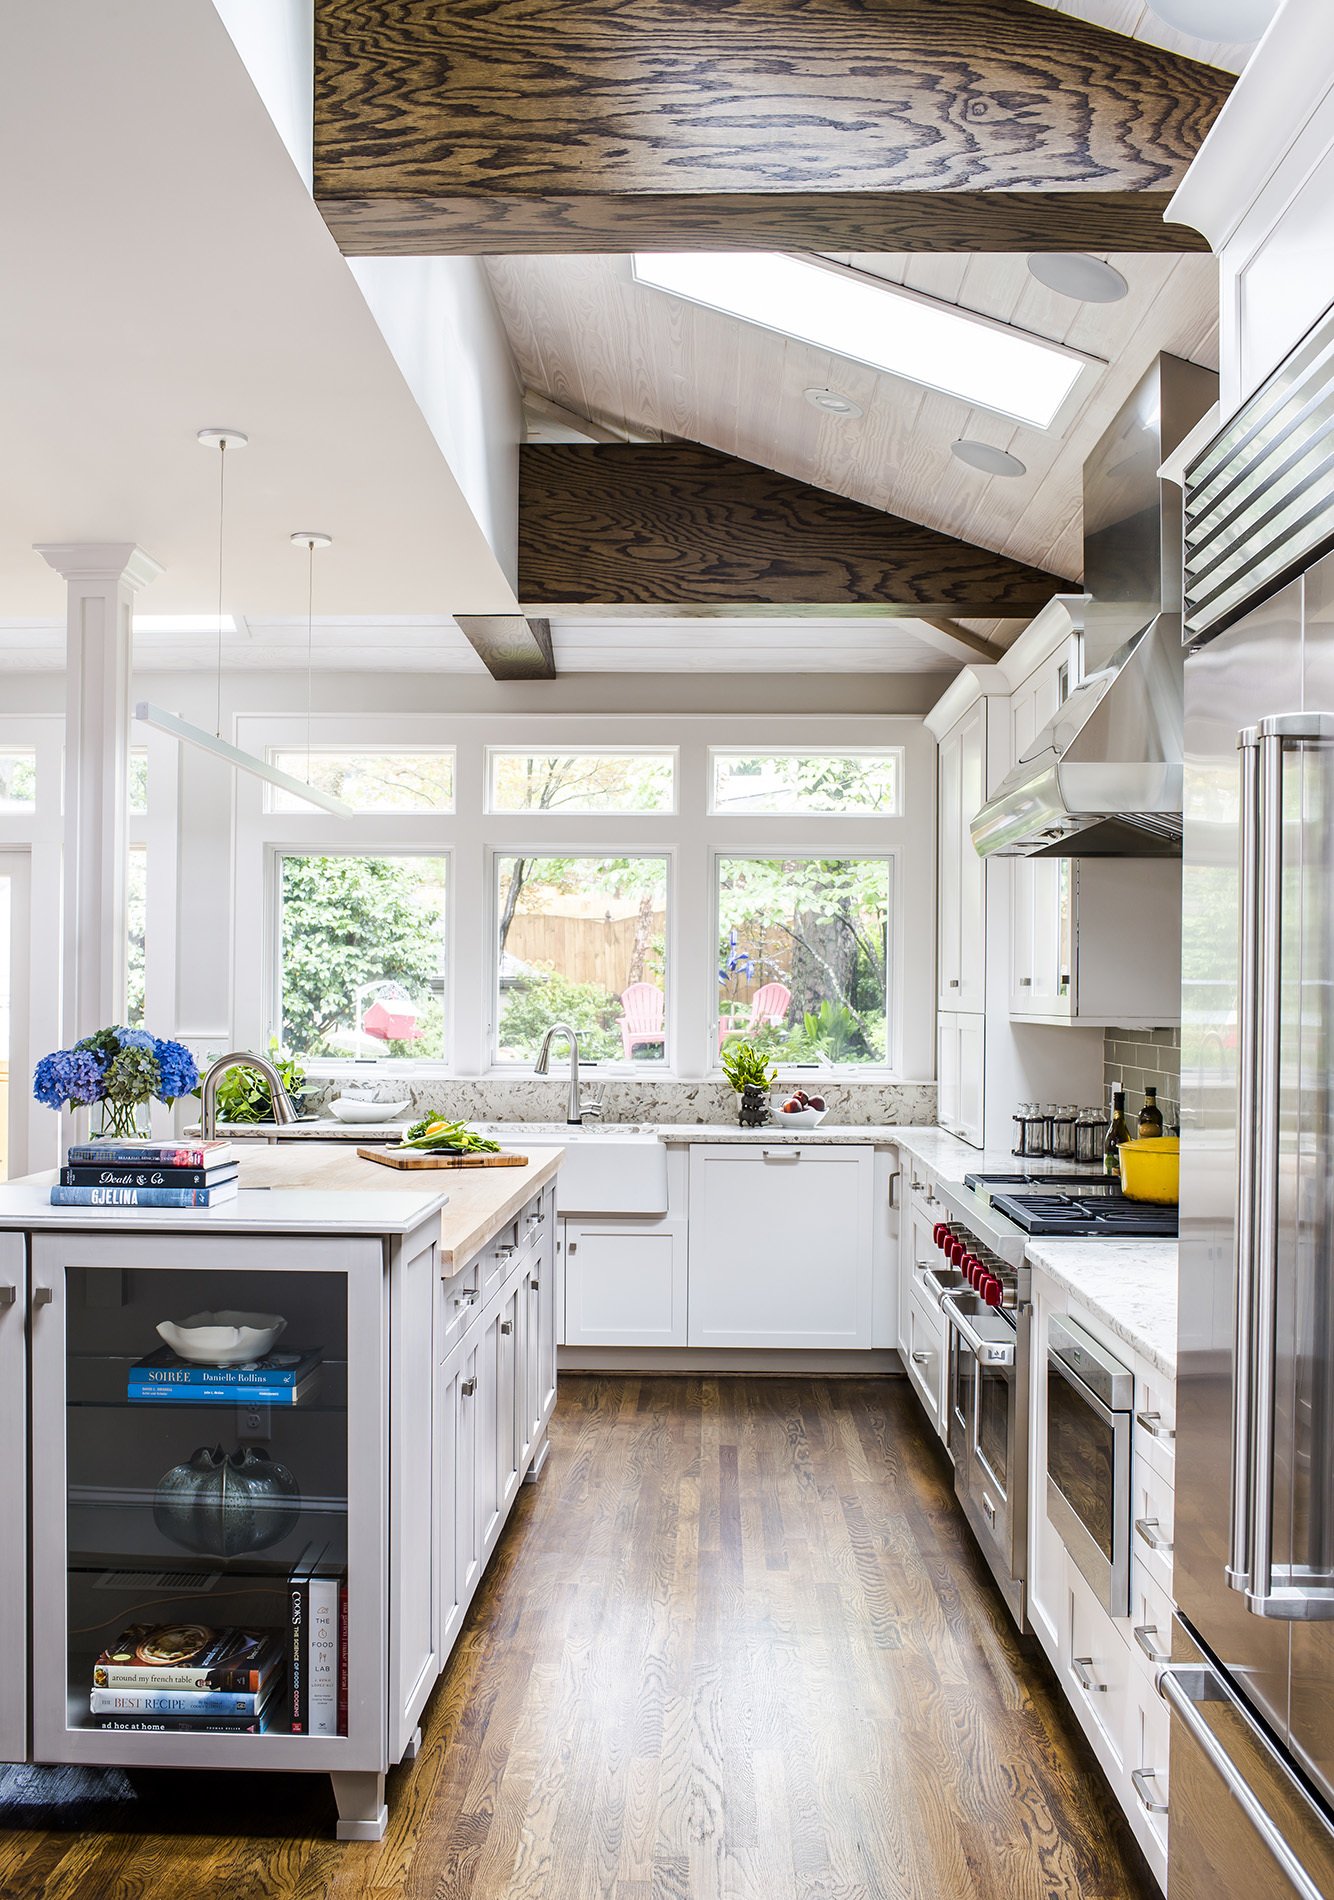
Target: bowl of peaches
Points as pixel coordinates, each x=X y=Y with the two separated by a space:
x=801 y=1110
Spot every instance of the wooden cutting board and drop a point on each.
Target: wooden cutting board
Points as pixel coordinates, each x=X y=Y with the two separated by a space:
x=412 y=1158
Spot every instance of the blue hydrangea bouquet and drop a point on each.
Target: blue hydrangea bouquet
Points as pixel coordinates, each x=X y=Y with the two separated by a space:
x=117 y=1071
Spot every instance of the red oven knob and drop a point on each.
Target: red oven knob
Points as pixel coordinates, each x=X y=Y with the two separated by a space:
x=938 y=1233
x=955 y=1251
x=992 y=1291
x=971 y=1267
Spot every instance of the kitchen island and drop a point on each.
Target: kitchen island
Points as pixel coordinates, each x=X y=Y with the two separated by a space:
x=428 y=1306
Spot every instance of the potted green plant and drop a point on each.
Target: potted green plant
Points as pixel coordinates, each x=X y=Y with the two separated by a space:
x=748 y=1070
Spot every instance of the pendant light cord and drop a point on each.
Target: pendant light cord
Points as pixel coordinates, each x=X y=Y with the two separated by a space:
x=222 y=515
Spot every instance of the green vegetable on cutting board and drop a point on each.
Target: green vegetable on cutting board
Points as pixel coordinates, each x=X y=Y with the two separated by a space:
x=436 y=1134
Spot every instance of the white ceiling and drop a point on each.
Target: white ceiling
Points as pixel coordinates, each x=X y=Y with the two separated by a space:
x=433 y=644
x=165 y=269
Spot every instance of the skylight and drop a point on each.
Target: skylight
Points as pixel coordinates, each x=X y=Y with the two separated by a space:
x=984 y=363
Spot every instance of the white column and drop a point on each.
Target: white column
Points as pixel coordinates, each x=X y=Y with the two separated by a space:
x=102 y=579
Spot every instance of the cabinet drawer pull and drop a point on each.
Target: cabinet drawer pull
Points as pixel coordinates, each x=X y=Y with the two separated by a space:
x=920 y=1358
x=8 y=1295
x=1144 y=1635
x=468 y=1387
x=1025 y=982
x=781 y=1154
x=468 y=1297
x=954 y=982
x=42 y=1296
x=1140 y=1780
x=534 y=1286
x=507 y=1325
x=1153 y=1425
x=1148 y=1528
x=537 y=1218
x=989 y=1510
x=506 y=1248
x=1081 y=1666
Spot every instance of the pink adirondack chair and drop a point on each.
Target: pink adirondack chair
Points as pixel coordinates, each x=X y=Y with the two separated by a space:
x=644 y=1018
x=768 y=1005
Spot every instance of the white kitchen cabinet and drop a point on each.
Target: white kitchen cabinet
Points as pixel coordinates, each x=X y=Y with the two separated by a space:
x=960 y=1074
x=780 y=1246
x=1039 y=892
x=540 y=1324
x=960 y=872
x=625 y=1283
x=13 y=1498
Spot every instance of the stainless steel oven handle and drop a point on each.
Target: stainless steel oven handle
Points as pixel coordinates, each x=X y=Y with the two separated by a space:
x=1239 y=1513
x=1182 y=1686
x=987 y=1352
x=1262 y=1599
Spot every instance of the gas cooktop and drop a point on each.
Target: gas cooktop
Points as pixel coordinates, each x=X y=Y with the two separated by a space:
x=1101 y=1214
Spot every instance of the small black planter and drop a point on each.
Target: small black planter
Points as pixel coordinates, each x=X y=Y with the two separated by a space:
x=754 y=1110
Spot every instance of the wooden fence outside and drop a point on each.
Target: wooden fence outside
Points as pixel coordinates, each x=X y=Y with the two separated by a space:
x=587 y=949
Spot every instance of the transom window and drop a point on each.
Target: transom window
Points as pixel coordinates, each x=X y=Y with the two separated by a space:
x=582 y=940
x=806 y=784
x=384 y=780
x=362 y=955
x=581 y=779
x=803 y=957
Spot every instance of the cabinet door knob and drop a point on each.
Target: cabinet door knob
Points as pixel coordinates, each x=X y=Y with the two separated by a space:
x=468 y=1387
x=8 y=1295
x=507 y=1325
x=535 y=1286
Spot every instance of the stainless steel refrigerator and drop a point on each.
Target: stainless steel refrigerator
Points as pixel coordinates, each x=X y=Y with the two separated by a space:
x=1251 y=1683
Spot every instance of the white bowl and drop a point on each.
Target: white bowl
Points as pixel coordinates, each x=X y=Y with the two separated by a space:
x=351 y=1108
x=800 y=1118
x=222 y=1339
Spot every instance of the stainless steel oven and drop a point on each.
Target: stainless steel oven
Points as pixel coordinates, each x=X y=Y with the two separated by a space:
x=1090 y=1397
x=987 y=1431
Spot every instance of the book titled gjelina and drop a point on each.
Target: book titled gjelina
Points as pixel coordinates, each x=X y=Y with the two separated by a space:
x=147 y=1174
x=183 y=1677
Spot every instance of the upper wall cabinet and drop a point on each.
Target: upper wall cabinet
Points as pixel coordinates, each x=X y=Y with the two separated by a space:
x=961 y=873
x=1040 y=973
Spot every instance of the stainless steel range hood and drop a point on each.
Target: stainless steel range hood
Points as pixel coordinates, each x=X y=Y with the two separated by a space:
x=1104 y=778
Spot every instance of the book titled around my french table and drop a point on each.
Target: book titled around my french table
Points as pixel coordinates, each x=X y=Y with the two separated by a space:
x=185 y=1657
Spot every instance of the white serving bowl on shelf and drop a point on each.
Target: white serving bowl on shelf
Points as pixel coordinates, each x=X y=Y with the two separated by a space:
x=222 y=1339
x=799 y=1118
x=353 y=1108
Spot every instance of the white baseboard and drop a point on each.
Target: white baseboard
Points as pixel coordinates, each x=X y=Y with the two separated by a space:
x=776 y=1362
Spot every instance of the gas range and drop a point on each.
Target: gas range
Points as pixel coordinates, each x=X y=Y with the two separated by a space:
x=1072 y=1207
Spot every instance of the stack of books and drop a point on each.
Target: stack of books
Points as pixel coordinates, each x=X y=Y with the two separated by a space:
x=178 y=1677
x=148 y=1174
x=279 y=1378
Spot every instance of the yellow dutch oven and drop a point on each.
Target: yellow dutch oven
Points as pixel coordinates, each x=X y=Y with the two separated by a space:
x=1151 y=1170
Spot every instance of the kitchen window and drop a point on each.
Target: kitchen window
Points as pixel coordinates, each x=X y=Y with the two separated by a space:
x=18 y=779
x=806 y=784
x=581 y=779
x=386 y=780
x=582 y=939
x=804 y=957
x=362 y=948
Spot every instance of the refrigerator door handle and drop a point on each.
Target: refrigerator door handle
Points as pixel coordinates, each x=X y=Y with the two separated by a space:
x=1292 y=1600
x=1183 y=1686
x=1239 y=1516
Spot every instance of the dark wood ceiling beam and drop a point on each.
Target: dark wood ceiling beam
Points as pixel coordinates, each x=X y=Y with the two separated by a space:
x=514 y=646
x=674 y=527
x=507 y=125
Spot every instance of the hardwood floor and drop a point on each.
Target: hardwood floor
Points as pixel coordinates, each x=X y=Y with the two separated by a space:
x=735 y=1645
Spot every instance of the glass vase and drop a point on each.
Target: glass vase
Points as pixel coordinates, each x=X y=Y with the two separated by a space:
x=120 y=1121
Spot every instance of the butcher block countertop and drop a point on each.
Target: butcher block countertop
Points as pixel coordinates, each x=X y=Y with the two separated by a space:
x=479 y=1201
x=315 y=1188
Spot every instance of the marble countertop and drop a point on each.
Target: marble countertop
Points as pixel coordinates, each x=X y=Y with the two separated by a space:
x=552 y=1133
x=26 y=1205
x=1131 y=1284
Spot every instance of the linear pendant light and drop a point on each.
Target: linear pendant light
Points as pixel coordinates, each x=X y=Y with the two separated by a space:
x=213 y=742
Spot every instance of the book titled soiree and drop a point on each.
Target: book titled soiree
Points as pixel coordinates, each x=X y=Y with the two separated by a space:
x=280 y=1378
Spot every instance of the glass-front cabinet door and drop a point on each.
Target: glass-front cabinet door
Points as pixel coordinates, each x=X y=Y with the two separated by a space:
x=208 y=1538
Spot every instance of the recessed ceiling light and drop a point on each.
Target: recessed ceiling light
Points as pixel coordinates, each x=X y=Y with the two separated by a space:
x=989 y=460
x=1221 y=20
x=1073 y=274
x=833 y=404
x=983 y=362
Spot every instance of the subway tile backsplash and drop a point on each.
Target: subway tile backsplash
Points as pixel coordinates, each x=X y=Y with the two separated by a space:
x=1140 y=1059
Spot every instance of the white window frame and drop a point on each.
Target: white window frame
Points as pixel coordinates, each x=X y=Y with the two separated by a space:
x=691 y=838
x=547 y=849
x=375 y=752
x=336 y=1065
x=812 y=751
x=610 y=751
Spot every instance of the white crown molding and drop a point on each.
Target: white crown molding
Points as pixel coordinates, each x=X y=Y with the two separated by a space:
x=100 y=561
x=1286 y=79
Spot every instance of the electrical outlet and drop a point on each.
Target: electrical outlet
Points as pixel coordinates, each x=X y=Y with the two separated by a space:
x=254 y=1421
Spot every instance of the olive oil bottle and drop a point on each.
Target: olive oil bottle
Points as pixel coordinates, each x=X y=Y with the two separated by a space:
x=1118 y=1130
x=1150 y=1116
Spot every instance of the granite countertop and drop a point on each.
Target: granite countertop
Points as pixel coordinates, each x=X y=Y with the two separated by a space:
x=1130 y=1284
x=553 y=1133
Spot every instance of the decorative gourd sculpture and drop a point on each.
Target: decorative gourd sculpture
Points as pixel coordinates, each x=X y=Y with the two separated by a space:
x=224 y=1504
